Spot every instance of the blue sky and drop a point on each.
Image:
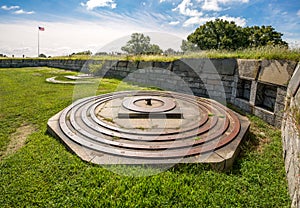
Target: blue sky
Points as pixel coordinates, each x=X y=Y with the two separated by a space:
x=99 y=25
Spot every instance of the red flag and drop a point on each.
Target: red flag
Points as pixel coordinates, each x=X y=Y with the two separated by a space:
x=41 y=29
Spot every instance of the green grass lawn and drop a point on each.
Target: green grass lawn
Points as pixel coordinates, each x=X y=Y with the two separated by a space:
x=43 y=173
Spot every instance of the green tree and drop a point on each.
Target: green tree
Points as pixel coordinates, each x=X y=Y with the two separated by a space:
x=88 y=53
x=188 y=46
x=264 y=35
x=218 y=34
x=170 y=51
x=101 y=54
x=42 y=55
x=221 y=34
x=154 y=49
x=140 y=44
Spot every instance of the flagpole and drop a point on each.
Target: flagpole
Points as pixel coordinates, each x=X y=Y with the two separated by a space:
x=38 y=42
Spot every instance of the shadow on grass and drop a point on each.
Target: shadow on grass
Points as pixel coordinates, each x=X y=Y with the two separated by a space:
x=250 y=144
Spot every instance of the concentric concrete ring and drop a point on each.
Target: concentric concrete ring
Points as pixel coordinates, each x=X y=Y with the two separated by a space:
x=205 y=127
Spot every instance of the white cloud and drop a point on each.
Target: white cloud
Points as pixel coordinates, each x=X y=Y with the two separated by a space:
x=17 y=10
x=293 y=43
x=214 y=5
x=211 y=5
x=196 y=20
x=232 y=1
x=21 y=11
x=4 y=7
x=174 y=23
x=184 y=9
x=169 y=1
x=205 y=5
x=195 y=12
x=202 y=20
x=238 y=20
x=92 y=4
x=72 y=35
x=229 y=1
x=298 y=13
x=114 y=5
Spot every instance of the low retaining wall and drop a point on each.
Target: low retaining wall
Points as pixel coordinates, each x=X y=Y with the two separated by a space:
x=68 y=64
x=256 y=86
x=291 y=137
x=208 y=77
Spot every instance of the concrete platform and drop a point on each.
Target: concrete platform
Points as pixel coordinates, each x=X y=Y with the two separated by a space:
x=206 y=133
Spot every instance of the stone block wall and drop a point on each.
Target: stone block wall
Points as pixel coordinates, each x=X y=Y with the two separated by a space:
x=256 y=86
x=74 y=65
x=244 y=83
x=260 y=88
x=204 y=77
x=291 y=137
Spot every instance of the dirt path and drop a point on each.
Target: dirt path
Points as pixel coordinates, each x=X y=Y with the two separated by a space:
x=17 y=140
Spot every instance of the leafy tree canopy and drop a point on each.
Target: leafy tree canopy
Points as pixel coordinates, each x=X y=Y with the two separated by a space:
x=82 y=53
x=188 y=46
x=170 y=51
x=154 y=49
x=140 y=44
x=221 y=34
x=264 y=35
x=42 y=55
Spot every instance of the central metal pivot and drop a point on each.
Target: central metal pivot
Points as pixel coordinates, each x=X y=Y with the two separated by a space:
x=148 y=102
x=140 y=107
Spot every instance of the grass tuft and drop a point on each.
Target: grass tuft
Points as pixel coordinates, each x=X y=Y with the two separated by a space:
x=265 y=52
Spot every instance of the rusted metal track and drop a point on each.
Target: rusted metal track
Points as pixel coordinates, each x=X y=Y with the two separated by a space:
x=205 y=125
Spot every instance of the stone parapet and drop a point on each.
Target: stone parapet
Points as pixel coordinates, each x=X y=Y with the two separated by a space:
x=291 y=137
x=278 y=72
x=256 y=86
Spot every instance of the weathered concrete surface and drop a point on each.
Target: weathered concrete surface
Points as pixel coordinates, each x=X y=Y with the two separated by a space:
x=145 y=64
x=291 y=138
x=210 y=66
x=164 y=65
x=248 y=69
x=294 y=82
x=132 y=65
x=276 y=71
